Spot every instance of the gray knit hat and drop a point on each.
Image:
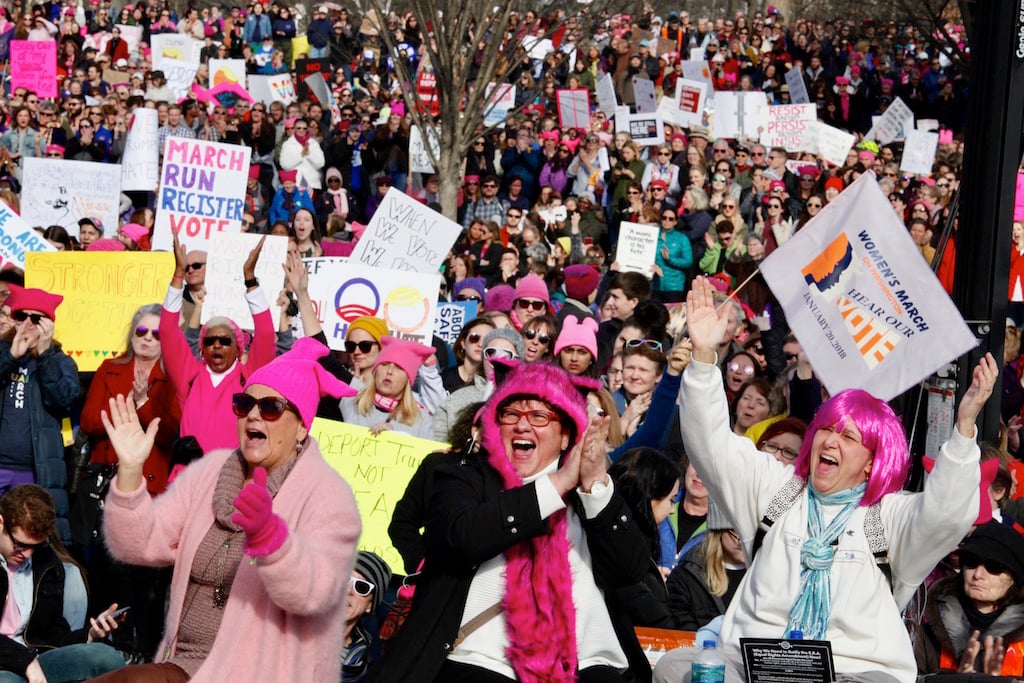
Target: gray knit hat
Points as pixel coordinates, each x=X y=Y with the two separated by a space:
x=509 y=335
x=376 y=571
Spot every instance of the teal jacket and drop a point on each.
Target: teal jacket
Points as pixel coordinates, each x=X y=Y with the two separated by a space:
x=675 y=266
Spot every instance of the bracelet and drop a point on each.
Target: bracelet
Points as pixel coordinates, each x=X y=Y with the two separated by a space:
x=254 y=282
x=177 y=278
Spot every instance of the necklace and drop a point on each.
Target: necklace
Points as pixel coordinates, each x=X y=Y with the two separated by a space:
x=220 y=592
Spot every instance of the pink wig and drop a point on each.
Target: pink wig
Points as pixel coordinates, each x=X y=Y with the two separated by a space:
x=881 y=433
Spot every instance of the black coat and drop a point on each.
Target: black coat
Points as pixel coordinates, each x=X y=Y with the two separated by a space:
x=473 y=520
x=689 y=598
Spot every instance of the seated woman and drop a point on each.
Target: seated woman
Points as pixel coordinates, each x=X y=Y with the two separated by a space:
x=974 y=620
x=850 y=471
x=272 y=498
x=526 y=548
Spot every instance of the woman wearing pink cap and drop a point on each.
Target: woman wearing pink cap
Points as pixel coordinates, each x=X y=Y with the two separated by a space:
x=132 y=236
x=576 y=347
x=387 y=401
x=261 y=575
x=39 y=383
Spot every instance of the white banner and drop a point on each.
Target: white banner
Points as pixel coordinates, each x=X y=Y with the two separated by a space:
x=225 y=285
x=17 y=238
x=890 y=125
x=61 y=191
x=419 y=160
x=140 y=163
x=687 y=108
x=861 y=299
x=343 y=290
x=919 y=152
x=406 y=235
x=176 y=47
x=787 y=124
x=202 y=191
x=740 y=114
x=637 y=247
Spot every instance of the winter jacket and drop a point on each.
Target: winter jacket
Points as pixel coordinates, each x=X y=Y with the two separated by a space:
x=673 y=267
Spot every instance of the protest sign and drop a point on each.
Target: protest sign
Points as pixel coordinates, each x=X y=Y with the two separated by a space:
x=202 y=191
x=928 y=125
x=132 y=35
x=866 y=307
x=637 y=247
x=787 y=124
x=698 y=70
x=419 y=159
x=18 y=239
x=501 y=99
x=306 y=67
x=919 y=152
x=225 y=285
x=645 y=129
x=317 y=85
x=606 y=100
x=405 y=234
x=343 y=290
x=117 y=79
x=180 y=76
x=227 y=71
x=643 y=95
x=61 y=191
x=573 y=108
x=688 y=104
x=451 y=317
x=34 y=66
x=378 y=468
x=831 y=144
x=101 y=290
x=797 y=87
x=890 y=125
x=426 y=92
x=275 y=88
x=176 y=47
x=140 y=163
x=740 y=114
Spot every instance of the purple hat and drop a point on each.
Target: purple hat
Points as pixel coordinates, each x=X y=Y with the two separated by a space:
x=580 y=281
x=576 y=332
x=408 y=355
x=500 y=298
x=477 y=284
x=299 y=378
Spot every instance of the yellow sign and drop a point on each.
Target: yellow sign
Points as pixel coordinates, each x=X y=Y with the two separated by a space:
x=378 y=468
x=102 y=291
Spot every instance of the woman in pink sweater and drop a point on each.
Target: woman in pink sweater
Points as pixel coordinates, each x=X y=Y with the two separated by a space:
x=262 y=538
x=204 y=388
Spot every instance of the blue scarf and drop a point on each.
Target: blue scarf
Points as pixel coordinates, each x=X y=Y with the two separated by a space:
x=812 y=609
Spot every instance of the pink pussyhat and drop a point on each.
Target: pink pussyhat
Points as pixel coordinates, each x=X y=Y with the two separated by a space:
x=576 y=332
x=408 y=355
x=299 y=378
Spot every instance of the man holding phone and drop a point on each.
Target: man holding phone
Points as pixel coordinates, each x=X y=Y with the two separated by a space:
x=42 y=635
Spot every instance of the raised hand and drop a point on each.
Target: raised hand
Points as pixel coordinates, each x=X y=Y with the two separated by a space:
x=249 y=267
x=265 y=532
x=705 y=325
x=295 y=273
x=179 y=257
x=594 y=455
x=45 y=335
x=986 y=372
x=131 y=443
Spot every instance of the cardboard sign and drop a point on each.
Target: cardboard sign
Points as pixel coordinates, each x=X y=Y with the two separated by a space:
x=18 y=239
x=202 y=191
x=343 y=290
x=269 y=89
x=689 y=102
x=61 y=191
x=225 y=285
x=419 y=159
x=919 y=152
x=828 y=142
x=890 y=125
x=101 y=290
x=573 y=108
x=606 y=100
x=637 y=247
x=140 y=163
x=406 y=235
x=131 y=35
x=304 y=68
x=501 y=99
x=769 y=660
x=34 y=66
x=230 y=71
x=740 y=114
x=797 y=87
x=426 y=93
x=378 y=468
x=787 y=124
x=698 y=70
x=643 y=93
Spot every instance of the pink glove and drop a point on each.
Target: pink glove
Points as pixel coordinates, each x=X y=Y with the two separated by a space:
x=265 y=532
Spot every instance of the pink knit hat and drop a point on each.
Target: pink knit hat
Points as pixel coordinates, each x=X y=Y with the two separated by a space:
x=576 y=332
x=532 y=287
x=299 y=378
x=37 y=300
x=106 y=244
x=500 y=298
x=286 y=176
x=407 y=355
x=134 y=231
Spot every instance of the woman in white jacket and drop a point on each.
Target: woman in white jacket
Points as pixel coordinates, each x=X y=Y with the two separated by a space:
x=302 y=153
x=855 y=460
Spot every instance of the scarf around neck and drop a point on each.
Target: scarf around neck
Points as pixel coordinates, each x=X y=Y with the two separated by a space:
x=812 y=610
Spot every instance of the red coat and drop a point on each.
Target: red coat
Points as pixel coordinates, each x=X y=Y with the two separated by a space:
x=113 y=378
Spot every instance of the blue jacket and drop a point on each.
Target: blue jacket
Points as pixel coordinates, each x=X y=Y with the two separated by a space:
x=49 y=395
x=253 y=34
x=300 y=200
x=673 y=268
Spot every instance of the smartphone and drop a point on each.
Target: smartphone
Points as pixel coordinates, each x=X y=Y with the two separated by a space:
x=119 y=612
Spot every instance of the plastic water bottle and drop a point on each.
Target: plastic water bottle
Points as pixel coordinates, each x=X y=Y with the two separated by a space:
x=708 y=667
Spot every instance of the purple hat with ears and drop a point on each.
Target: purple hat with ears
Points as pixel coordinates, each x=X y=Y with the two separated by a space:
x=298 y=377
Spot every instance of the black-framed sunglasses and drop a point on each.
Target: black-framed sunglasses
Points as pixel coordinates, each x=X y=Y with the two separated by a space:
x=223 y=340
x=364 y=346
x=21 y=545
x=361 y=587
x=22 y=316
x=142 y=331
x=194 y=266
x=271 y=408
x=649 y=343
x=542 y=337
x=527 y=305
x=970 y=560
x=467 y=297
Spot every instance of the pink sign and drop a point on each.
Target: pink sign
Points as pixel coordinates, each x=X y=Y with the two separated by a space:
x=34 y=66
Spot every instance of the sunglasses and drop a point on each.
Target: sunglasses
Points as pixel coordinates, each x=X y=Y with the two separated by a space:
x=21 y=545
x=361 y=587
x=536 y=418
x=194 y=266
x=363 y=346
x=467 y=297
x=474 y=337
x=971 y=560
x=211 y=339
x=271 y=408
x=142 y=331
x=495 y=352
x=539 y=336
x=745 y=369
x=649 y=343
x=527 y=305
x=813 y=206
x=772 y=449
x=22 y=316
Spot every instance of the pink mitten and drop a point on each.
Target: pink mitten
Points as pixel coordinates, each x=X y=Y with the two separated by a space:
x=265 y=532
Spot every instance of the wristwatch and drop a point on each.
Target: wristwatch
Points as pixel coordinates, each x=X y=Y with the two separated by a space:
x=251 y=283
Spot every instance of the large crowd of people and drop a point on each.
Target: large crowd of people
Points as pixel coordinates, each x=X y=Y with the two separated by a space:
x=626 y=449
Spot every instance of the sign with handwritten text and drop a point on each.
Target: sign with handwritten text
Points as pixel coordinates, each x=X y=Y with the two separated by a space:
x=225 y=284
x=34 y=66
x=406 y=235
x=101 y=290
x=140 y=163
x=637 y=247
x=61 y=191
x=378 y=468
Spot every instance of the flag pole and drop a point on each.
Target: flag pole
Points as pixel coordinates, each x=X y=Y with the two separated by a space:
x=739 y=289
